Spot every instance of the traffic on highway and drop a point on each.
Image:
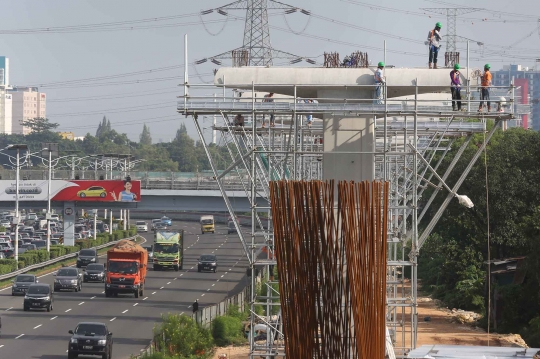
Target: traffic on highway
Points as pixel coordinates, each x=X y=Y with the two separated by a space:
x=75 y=311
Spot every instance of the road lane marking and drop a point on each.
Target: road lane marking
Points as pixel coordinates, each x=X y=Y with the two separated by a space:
x=19 y=336
x=175 y=278
x=93 y=297
x=191 y=268
x=202 y=295
x=169 y=283
x=81 y=303
x=53 y=318
x=1 y=345
x=181 y=274
x=145 y=298
x=68 y=310
x=208 y=290
x=159 y=288
x=124 y=311
x=136 y=304
x=154 y=293
x=102 y=292
x=213 y=284
x=9 y=308
x=222 y=275
x=37 y=326
x=112 y=319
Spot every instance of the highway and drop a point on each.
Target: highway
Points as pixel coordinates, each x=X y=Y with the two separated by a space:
x=38 y=334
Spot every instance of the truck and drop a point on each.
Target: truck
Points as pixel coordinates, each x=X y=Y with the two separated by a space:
x=126 y=269
x=207 y=224
x=168 y=250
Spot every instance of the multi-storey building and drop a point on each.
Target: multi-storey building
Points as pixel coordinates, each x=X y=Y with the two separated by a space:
x=28 y=103
x=527 y=81
x=6 y=117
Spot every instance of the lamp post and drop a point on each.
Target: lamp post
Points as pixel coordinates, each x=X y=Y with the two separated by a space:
x=50 y=148
x=17 y=217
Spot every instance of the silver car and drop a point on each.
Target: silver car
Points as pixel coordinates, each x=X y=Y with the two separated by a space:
x=21 y=283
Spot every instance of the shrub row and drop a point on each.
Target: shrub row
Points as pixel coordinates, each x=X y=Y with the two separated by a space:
x=7 y=266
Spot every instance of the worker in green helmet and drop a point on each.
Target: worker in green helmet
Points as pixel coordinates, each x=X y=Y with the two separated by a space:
x=434 y=42
x=379 y=83
x=455 y=88
x=484 y=90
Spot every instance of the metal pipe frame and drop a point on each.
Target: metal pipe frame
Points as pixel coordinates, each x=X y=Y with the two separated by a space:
x=403 y=155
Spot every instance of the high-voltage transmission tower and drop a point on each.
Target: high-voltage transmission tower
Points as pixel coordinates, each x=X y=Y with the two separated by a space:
x=256 y=49
x=451 y=22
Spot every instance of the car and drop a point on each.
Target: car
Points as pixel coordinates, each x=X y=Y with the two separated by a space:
x=94 y=272
x=39 y=243
x=54 y=242
x=86 y=257
x=154 y=222
x=166 y=220
x=142 y=226
x=90 y=338
x=68 y=278
x=22 y=282
x=230 y=227
x=94 y=191
x=207 y=262
x=159 y=226
x=29 y=247
x=150 y=251
x=5 y=223
x=39 y=296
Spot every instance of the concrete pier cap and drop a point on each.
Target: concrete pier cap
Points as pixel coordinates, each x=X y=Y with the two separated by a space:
x=333 y=82
x=342 y=136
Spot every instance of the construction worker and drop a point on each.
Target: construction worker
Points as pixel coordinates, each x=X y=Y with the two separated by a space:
x=484 y=90
x=434 y=42
x=379 y=82
x=455 y=87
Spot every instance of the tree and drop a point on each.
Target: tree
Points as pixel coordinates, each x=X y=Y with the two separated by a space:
x=182 y=150
x=99 y=130
x=145 y=138
x=39 y=124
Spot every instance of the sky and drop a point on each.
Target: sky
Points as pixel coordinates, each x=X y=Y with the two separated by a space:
x=124 y=59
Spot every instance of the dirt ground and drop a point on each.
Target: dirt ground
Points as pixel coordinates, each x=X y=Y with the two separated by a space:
x=442 y=328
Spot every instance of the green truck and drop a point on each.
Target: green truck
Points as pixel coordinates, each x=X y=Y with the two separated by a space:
x=168 y=251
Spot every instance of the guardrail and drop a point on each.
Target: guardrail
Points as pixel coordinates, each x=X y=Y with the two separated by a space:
x=55 y=260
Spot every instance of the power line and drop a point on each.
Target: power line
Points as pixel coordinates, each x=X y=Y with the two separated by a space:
x=127 y=123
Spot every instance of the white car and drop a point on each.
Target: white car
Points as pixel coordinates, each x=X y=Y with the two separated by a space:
x=142 y=226
x=31 y=216
x=5 y=223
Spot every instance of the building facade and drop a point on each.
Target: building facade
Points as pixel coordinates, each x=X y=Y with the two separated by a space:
x=4 y=71
x=28 y=103
x=528 y=93
x=6 y=117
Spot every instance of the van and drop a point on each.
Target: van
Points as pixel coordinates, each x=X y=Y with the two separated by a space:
x=207 y=224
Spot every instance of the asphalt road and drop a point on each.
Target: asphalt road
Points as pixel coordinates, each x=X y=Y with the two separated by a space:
x=38 y=334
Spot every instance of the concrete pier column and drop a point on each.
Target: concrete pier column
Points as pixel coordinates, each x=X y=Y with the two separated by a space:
x=69 y=223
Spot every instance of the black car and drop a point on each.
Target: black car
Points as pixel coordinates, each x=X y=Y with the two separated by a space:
x=68 y=278
x=230 y=227
x=90 y=339
x=22 y=282
x=38 y=296
x=86 y=257
x=94 y=272
x=207 y=262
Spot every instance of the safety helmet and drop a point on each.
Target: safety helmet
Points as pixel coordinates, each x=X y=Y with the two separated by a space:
x=439 y=25
x=456 y=67
x=381 y=64
x=487 y=66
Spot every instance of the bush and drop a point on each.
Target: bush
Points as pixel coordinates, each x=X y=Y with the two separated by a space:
x=42 y=254
x=8 y=266
x=181 y=335
x=29 y=258
x=227 y=330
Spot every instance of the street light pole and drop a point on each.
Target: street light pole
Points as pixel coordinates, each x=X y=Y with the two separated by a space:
x=17 y=217
x=48 y=215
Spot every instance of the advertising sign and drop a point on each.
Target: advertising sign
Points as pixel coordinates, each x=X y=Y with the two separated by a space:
x=76 y=190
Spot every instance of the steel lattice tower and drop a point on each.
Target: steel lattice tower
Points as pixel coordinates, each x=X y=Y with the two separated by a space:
x=257 y=33
x=451 y=19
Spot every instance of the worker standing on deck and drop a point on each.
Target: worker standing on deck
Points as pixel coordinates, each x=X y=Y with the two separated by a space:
x=455 y=87
x=268 y=98
x=379 y=82
x=434 y=42
x=484 y=90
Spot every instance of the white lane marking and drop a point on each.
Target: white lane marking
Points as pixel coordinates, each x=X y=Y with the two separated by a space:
x=213 y=251
x=181 y=274
x=93 y=297
x=159 y=288
x=37 y=326
x=1 y=345
x=202 y=295
x=191 y=268
x=169 y=283
x=112 y=319
x=230 y=269
x=136 y=304
x=208 y=290
x=9 y=308
x=81 y=303
x=124 y=311
x=154 y=292
x=19 y=336
x=222 y=275
x=213 y=284
x=175 y=278
x=145 y=298
x=102 y=292
x=68 y=310
x=53 y=318
x=217 y=280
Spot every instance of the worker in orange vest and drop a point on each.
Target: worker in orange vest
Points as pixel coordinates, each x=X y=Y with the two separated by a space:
x=434 y=42
x=484 y=90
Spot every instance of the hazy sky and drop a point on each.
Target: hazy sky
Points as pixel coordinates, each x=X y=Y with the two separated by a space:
x=89 y=67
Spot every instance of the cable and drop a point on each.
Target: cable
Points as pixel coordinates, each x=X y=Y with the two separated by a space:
x=125 y=123
x=297 y=32
x=113 y=110
x=211 y=33
x=126 y=95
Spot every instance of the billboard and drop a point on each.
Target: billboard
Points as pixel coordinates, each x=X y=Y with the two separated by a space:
x=76 y=190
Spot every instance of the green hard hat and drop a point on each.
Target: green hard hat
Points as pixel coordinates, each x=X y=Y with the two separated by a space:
x=487 y=66
x=439 y=25
x=456 y=67
x=381 y=64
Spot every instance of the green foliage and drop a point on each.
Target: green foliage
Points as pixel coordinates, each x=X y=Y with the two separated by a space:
x=182 y=336
x=145 y=138
x=227 y=330
x=7 y=266
x=2 y=229
x=39 y=124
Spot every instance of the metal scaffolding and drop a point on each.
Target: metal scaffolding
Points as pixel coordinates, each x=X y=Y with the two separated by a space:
x=412 y=139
